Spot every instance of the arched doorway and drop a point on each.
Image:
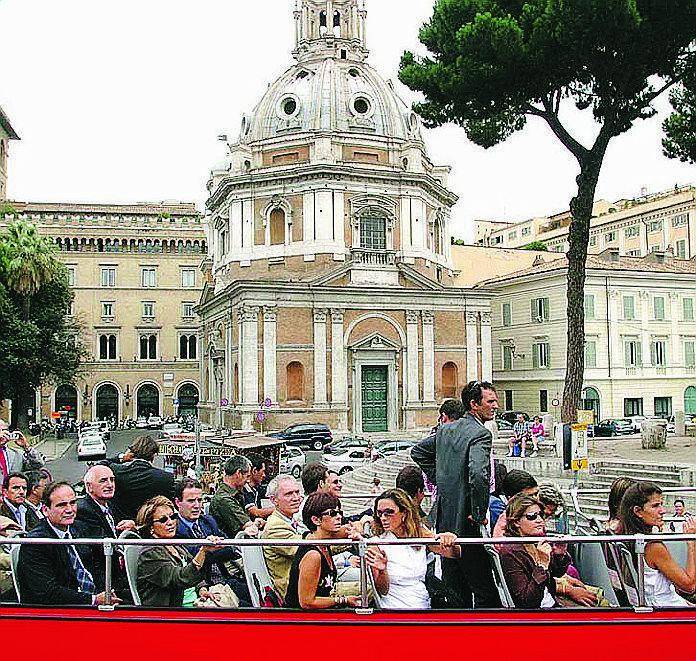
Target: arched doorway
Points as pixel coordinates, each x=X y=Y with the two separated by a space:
x=590 y=402
x=148 y=401
x=690 y=401
x=66 y=400
x=188 y=399
x=107 y=402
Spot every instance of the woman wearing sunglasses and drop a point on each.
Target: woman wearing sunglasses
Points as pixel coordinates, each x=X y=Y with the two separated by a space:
x=165 y=572
x=531 y=569
x=313 y=574
x=399 y=571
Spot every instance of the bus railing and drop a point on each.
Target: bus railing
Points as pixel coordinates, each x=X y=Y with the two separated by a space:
x=109 y=545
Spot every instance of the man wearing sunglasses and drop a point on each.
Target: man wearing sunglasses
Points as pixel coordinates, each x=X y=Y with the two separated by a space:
x=458 y=462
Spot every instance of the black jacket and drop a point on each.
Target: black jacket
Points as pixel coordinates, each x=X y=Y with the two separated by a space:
x=45 y=574
x=458 y=460
x=136 y=482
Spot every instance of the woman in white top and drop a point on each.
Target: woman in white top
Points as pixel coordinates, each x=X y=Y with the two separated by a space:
x=399 y=571
x=642 y=510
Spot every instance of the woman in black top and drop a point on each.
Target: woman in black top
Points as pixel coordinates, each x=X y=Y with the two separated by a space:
x=313 y=573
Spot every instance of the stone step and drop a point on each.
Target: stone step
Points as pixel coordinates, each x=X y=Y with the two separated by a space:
x=636 y=465
x=604 y=480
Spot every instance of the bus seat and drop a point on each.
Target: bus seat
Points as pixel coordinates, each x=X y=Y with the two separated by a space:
x=256 y=572
x=131 y=555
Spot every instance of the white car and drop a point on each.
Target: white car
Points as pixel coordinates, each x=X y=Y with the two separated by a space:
x=292 y=461
x=154 y=422
x=171 y=429
x=636 y=421
x=141 y=422
x=91 y=446
x=346 y=462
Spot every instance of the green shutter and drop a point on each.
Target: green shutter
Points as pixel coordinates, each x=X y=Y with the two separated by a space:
x=533 y=311
x=507 y=314
x=590 y=354
x=690 y=354
x=659 y=304
x=589 y=306
x=629 y=307
x=535 y=355
x=545 y=304
x=688 y=309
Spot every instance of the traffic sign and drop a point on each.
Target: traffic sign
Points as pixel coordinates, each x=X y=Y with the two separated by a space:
x=555 y=402
x=224 y=402
x=260 y=417
x=55 y=415
x=175 y=401
x=580 y=455
x=268 y=402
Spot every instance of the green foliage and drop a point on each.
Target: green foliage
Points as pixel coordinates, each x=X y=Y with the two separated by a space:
x=680 y=127
x=536 y=245
x=458 y=242
x=38 y=342
x=492 y=63
x=7 y=209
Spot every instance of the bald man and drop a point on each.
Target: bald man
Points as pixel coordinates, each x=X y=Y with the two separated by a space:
x=100 y=520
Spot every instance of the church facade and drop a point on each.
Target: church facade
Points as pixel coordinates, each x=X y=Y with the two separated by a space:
x=331 y=294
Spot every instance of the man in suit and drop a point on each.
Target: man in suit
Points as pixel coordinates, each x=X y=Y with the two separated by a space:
x=38 y=481
x=285 y=494
x=458 y=461
x=137 y=480
x=13 y=460
x=99 y=519
x=13 y=506
x=60 y=575
x=194 y=524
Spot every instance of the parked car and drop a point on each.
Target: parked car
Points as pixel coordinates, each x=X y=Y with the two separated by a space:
x=345 y=444
x=154 y=422
x=141 y=422
x=292 y=461
x=91 y=446
x=346 y=462
x=511 y=416
x=171 y=429
x=636 y=422
x=385 y=448
x=305 y=435
x=613 y=427
x=102 y=427
x=503 y=425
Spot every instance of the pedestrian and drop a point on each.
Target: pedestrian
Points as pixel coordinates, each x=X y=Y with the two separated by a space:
x=458 y=462
x=521 y=434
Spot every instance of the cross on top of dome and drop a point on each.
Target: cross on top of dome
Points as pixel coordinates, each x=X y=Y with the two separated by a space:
x=330 y=28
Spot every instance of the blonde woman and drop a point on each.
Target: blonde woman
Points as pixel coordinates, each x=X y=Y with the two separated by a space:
x=399 y=571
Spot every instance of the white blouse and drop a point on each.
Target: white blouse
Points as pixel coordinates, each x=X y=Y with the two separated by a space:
x=406 y=567
x=660 y=591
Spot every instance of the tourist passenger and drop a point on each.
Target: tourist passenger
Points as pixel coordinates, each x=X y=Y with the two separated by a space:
x=96 y=510
x=399 y=571
x=253 y=489
x=37 y=482
x=313 y=575
x=530 y=569
x=680 y=512
x=13 y=506
x=195 y=524
x=60 y=575
x=458 y=462
x=137 y=480
x=285 y=494
x=227 y=505
x=13 y=460
x=165 y=572
x=514 y=483
x=616 y=494
x=497 y=501
x=642 y=511
x=410 y=479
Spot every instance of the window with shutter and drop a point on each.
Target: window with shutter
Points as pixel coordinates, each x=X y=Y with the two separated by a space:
x=690 y=354
x=589 y=306
x=659 y=305
x=590 y=353
x=507 y=314
x=688 y=304
x=629 y=307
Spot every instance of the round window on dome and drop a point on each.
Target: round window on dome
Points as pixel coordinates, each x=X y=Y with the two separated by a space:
x=361 y=105
x=289 y=106
x=354 y=73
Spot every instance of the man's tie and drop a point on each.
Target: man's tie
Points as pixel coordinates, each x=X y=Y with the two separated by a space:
x=110 y=520
x=197 y=530
x=84 y=578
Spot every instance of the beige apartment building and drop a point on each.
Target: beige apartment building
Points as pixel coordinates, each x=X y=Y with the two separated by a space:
x=664 y=221
x=640 y=325
x=135 y=272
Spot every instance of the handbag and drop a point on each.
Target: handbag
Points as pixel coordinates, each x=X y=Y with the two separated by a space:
x=442 y=597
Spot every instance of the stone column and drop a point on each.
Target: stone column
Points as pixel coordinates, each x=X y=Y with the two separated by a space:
x=320 y=385
x=249 y=374
x=486 y=347
x=338 y=359
x=471 y=347
x=428 y=357
x=412 y=390
x=270 y=390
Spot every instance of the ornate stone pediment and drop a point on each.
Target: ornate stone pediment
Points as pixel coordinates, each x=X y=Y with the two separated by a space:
x=375 y=342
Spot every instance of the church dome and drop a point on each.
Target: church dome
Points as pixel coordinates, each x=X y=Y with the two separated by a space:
x=331 y=95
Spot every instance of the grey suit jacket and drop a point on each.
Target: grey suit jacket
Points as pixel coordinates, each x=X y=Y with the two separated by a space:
x=458 y=460
x=19 y=461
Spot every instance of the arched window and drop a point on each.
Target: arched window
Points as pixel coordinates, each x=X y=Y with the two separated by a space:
x=337 y=24
x=373 y=232
x=591 y=402
x=107 y=347
x=295 y=381
x=323 y=25
x=148 y=347
x=188 y=347
x=450 y=377
x=690 y=400
x=277 y=227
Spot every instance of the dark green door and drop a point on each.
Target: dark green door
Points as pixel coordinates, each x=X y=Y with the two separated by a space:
x=374 y=399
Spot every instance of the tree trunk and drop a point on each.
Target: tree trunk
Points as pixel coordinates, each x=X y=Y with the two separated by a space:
x=579 y=235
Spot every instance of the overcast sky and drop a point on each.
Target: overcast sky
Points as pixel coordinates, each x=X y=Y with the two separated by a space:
x=122 y=100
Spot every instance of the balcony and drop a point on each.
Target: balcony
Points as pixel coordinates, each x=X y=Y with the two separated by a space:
x=373 y=258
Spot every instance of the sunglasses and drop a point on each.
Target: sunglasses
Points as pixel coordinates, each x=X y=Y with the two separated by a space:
x=386 y=512
x=165 y=519
x=535 y=516
x=332 y=513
